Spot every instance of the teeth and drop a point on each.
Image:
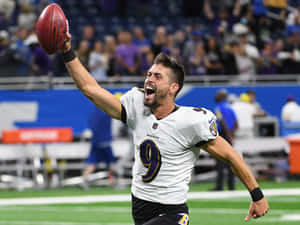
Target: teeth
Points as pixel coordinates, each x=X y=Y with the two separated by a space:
x=150 y=88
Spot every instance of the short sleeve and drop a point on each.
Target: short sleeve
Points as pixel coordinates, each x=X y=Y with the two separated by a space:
x=205 y=128
x=128 y=101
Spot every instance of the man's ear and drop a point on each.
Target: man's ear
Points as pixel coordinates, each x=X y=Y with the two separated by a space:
x=174 y=88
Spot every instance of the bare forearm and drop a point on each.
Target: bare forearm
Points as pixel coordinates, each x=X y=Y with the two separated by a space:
x=91 y=89
x=240 y=168
x=223 y=150
x=80 y=75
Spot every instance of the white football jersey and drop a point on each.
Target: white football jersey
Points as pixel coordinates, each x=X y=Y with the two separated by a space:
x=165 y=149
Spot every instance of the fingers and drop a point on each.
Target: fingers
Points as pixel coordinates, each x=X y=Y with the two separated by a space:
x=248 y=217
x=254 y=215
x=264 y=213
x=68 y=36
x=67 y=43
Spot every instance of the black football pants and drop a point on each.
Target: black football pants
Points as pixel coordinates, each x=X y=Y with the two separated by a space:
x=151 y=213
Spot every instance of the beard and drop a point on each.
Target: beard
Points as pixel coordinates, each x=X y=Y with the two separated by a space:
x=155 y=99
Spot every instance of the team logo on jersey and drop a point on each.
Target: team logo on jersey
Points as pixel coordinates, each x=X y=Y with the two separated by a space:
x=184 y=220
x=155 y=125
x=213 y=127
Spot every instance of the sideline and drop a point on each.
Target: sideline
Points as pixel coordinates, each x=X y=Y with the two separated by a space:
x=127 y=197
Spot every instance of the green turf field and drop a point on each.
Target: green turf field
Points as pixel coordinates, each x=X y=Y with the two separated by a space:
x=284 y=209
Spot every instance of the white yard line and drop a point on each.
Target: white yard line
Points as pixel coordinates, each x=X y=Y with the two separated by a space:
x=286 y=218
x=127 y=197
x=230 y=194
x=10 y=222
x=39 y=208
x=63 y=200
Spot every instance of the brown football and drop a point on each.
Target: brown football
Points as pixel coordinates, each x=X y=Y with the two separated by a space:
x=51 y=28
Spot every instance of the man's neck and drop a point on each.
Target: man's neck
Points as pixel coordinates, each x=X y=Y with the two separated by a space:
x=163 y=110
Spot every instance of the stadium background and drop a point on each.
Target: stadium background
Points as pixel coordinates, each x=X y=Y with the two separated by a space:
x=38 y=93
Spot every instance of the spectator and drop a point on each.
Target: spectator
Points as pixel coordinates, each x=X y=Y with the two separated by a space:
x=147 y=64
x=250 y=49
x=295 y=26
x=227 y=125
x=246 y=66
x=290 y=112
x=110 y=49
x=214 y=57
x=259 y=11
x=144 y=46
x=198 y=61
x=170 y=48
x=222 y=25
x=213 y=8
x=128 y=56
x=6 y=55
x=27 y=16
x=290 y=55
x=7 y=8
x=244 y=7
x=22 y=51
x=189 y=47
x=180 y=39
x=98 y=62
x=140 y=40
x=83 y=52
x=252 y=100
x=267 y=63
x=229 y=58
x=89 y=35
x=245 y=113
x=120 y=36
x=277 y=48
x=290 y=20
x=40 y=62
x=159 y=40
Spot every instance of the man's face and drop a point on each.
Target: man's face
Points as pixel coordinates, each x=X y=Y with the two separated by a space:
x=252 y=97
x=88 y=33
x=157 y=86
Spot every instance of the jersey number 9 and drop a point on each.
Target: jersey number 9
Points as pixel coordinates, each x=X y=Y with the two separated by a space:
x=151 y=159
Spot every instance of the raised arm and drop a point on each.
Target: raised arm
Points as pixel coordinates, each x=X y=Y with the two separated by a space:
x=223 y=150
x=88 y=85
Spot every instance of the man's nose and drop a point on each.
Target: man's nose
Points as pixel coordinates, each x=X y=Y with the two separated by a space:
x=150 y=78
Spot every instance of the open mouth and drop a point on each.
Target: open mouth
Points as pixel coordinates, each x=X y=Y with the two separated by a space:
x=149 y=91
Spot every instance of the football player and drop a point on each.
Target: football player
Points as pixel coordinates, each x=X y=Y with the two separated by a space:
x=167 y=140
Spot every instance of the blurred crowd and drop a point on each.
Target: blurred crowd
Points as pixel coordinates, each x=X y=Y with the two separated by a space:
x=232 y=37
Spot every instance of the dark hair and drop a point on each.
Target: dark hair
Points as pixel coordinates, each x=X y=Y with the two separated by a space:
x=177 y=68
x=221 y=95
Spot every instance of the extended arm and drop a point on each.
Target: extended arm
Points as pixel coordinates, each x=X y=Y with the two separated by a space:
x=223 y=150
x=89 y=86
